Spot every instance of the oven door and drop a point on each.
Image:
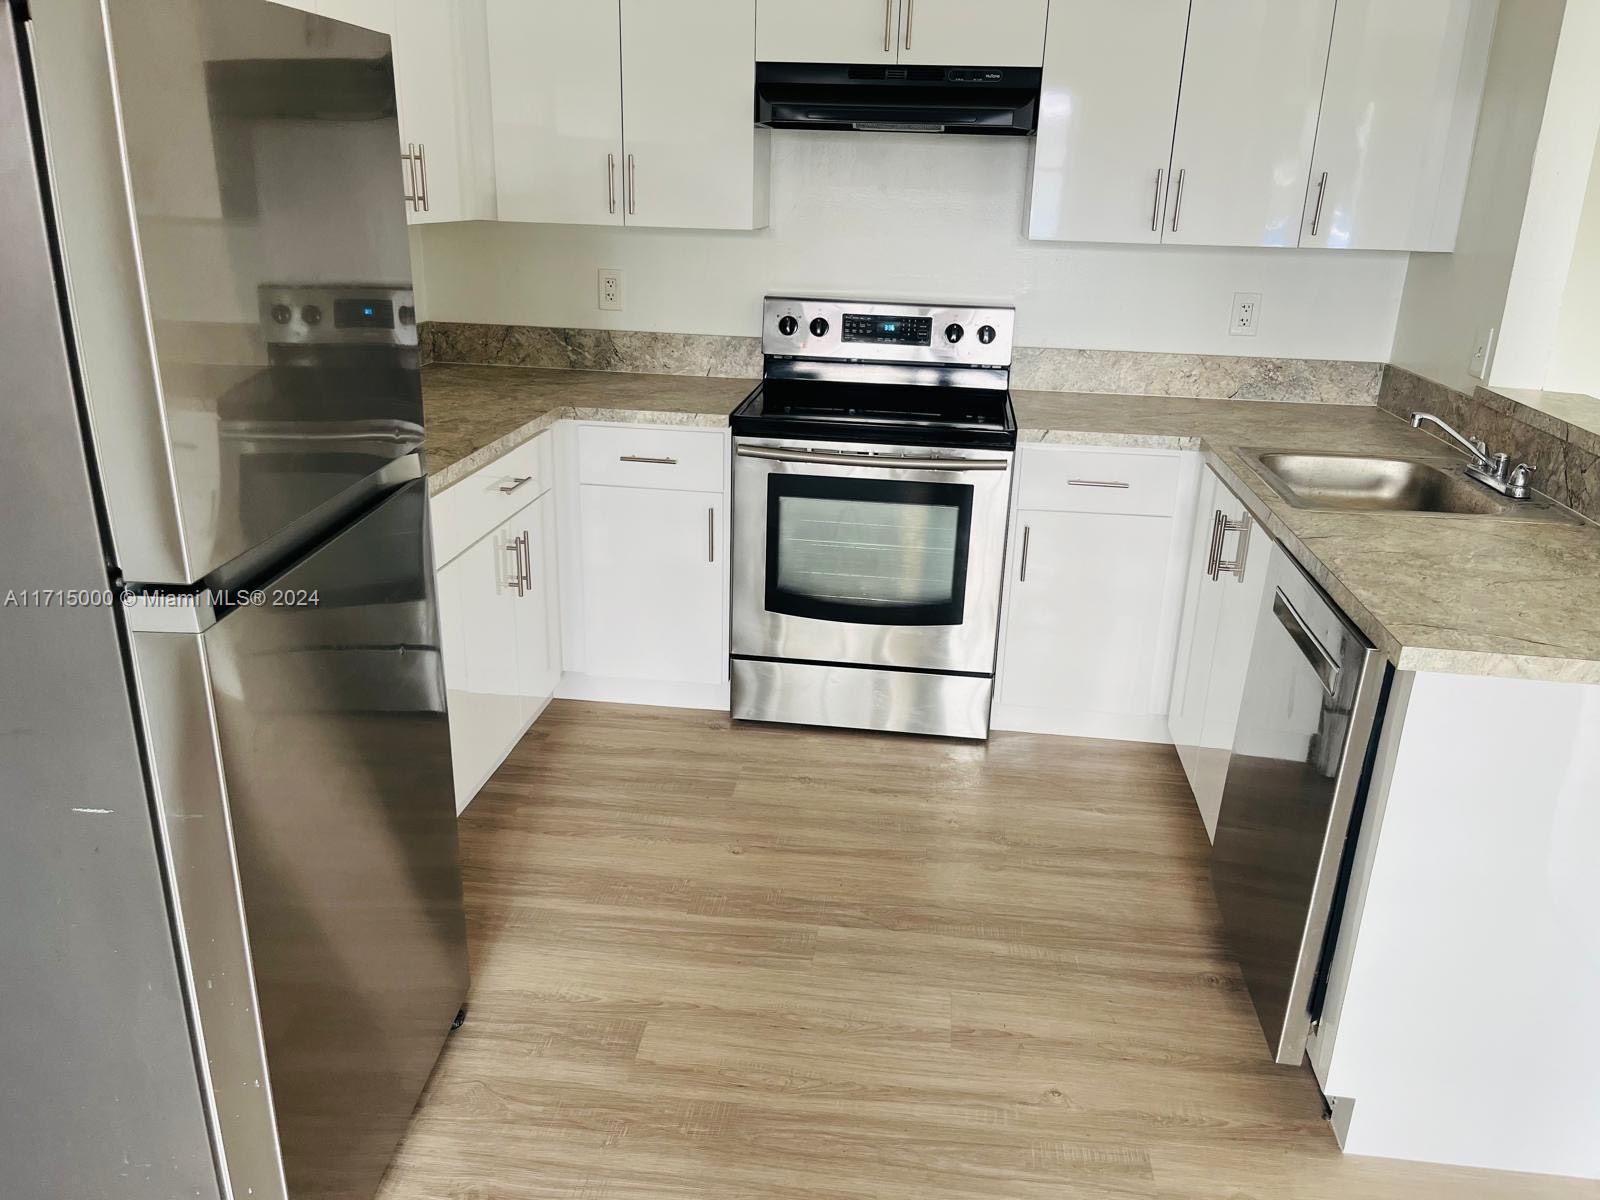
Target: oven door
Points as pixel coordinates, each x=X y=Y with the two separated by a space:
x=852 y=554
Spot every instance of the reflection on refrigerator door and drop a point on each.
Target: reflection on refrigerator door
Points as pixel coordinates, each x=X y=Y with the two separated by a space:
x=332 y=758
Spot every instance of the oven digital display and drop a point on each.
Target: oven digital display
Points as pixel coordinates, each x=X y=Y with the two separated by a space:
x=889 y=331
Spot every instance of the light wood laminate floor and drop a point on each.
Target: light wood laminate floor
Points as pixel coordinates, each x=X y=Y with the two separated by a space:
x=741 y=961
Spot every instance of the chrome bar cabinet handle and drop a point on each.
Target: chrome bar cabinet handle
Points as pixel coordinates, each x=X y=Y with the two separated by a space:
x=527 y=560
x=422 y=169
x=409 y=157
x=888 y=25
x=911 y=11
x=1322 y=191
x=517 y=482
x=1236 y=568
x=1098 y=483
x=516 y=581
x=1027 y=534
x=644 y=458
x=633 y=187
x=711 y=534
x=611 y=182
x=1177 y=201
x=1155 y=205
x=1217 y=519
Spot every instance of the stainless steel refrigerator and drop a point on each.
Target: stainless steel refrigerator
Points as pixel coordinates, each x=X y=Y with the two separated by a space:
x=231 y=932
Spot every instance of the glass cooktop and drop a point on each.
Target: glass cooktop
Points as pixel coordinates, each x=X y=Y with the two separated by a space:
x=875 y=412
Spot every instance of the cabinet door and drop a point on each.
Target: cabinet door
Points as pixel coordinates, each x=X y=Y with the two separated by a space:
x=999 y=33
x=537 y=603
x=653 y=594
x=690 y=152
x=427 y=76
x=1197 y=635
x=827 y=31
x=1247 y=120
x=1085 y=607
x=555 y=74
x=1399 y=109
x=1104 y=147
x=478 y=625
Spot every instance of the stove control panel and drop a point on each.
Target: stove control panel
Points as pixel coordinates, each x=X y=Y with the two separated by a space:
x=862 y=331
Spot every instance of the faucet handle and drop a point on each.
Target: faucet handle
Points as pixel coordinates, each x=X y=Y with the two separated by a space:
x=1519 y=477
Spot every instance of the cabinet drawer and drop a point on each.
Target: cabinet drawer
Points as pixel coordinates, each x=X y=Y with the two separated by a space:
x=468 y=510
x=646 y=456
x=1101 y=481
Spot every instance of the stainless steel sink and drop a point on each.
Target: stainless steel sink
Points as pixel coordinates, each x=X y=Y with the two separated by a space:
x=1362 y=483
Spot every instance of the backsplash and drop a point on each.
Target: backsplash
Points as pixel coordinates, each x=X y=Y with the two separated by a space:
x=1568 y=457
x=1209 y=376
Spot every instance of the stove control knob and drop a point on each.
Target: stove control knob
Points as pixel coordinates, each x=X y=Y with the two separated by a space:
x=787 y=325
x=986 y=334
x=819 y=327
x=282 y=314
x=311 y=314
x=954 y=333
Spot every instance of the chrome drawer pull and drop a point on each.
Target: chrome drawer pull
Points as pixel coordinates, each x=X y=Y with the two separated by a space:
x=1155 y=207
x=517 y=481
x=642 y=458
x=1027 y=534
x=711 y=535
x=1101 y=483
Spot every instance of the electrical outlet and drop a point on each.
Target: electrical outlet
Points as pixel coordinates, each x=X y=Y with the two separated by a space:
x=1482 y=350
x=1246 y=307
x=610 y=289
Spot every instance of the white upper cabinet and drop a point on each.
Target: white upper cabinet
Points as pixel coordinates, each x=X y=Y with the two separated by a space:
x=1247 y=121
x=446 y=171
x=1399 y=113
x=693 y=157
x=626 y=112
x=555 y=71
x=997 y=33
x=1100 y=162
x=828 y=31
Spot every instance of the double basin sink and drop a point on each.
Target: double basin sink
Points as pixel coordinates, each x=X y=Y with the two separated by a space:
x=1363 y=483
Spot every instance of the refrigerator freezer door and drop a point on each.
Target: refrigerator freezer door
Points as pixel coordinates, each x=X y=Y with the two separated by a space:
x=207 y=156
x=320 y=714
x=99 y=1084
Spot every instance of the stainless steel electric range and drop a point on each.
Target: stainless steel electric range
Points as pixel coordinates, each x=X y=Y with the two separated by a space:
x=871 y=483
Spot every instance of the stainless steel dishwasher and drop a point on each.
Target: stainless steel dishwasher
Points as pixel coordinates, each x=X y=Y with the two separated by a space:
x=1300 y=756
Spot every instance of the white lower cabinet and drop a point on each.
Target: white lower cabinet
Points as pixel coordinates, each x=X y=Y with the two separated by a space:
x=1093 y=588
x=1228 y=556
x=499 y=624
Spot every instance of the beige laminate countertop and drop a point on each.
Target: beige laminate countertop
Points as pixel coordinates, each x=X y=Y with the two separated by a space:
x=1464 y=595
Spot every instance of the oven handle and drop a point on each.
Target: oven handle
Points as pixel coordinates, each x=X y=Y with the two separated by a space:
x=888 y=463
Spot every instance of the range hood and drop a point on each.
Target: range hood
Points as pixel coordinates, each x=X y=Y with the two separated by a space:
x=897 y=99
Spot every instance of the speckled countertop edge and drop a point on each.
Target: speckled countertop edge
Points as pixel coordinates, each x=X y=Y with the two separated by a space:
x=1225 y=459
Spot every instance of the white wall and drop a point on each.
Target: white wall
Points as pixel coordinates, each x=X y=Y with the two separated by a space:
x=915 y=217
x=1575 y=364
x=1550 y=224
x=1452 y=300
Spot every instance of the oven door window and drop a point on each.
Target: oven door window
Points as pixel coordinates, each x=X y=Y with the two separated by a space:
x=867 y=551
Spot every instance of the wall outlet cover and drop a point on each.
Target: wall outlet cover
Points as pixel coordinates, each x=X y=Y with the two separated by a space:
x=1482 y=355
x=1246 y=311
x=610 y=289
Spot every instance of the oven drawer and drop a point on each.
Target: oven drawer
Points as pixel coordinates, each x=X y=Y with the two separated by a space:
x=1132 y=482
x=647 y=456
x=464 y=512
